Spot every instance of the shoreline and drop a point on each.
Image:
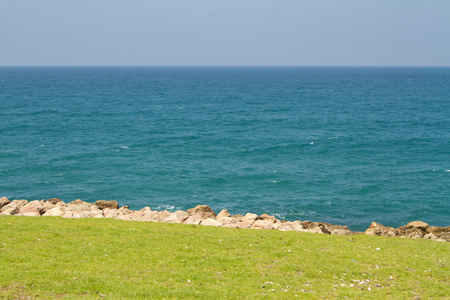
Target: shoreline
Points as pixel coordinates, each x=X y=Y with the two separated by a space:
x=204 y=215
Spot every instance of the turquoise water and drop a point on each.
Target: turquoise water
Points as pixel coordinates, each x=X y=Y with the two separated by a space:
x=341 y=145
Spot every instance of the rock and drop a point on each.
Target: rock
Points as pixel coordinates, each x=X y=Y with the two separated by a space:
x=415 y=235
x=4 y=201
x=137 y=215
x=238 y=217
x=102 y=204
x=430 y=236
x=125 y=210
x=444 y=237
x=154 y=216
x=409 y=232
x=57 y=211
x=418 y=225
x=79 y=205
x=204 y=210
x=265 y=224
x=378 y=229
x=248 y=220
x=13 y=207
x=237 y=224
x=163 y=215
x=305 y=224
x=149 y=216
x=95 y=213
x=291 y=226
x=177 y=217
x=48 y=206
x=111 y=213
x=266 y=217
x=32 y=208
x=341 y=232
x=266 y=221
x=435 y=230
x=30 y=214
x=326 y=228
x=226 y=220
x=223 y=214
x=79 y=215
x=73 y=214
x=195 y=219
x=54 y=201
x=316 y=229
x=80 y=202
x=211 y=222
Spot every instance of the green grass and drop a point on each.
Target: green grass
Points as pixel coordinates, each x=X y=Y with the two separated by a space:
x=51 y=257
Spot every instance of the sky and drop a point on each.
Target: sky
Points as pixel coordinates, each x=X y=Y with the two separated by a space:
x=225 y=33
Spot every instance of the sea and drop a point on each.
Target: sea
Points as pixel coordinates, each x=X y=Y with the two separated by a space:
x=344 y=145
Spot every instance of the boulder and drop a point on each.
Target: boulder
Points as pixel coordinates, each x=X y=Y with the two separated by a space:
x=226 y=221
x=430 y=236
x=57 y=211
x=137 y=215
x=79 y=215
x=54 y=201
x=341 y=232
x=326 y=228
x=111 y=213
x=211 y=222
x=234 y=223
x=417 y=225
x=149 y=216
x=204 y=210
x=266 y=221
x=126 y=210
x=290 y=226
x=378 y=229
x=13 y=207
x=30 y=214
x=266 y=217
x=248 y=220
x=80 y=202
x=95 y=213
x=435 y=230
x=410 y=232
x=48 y=205
x=316 y=229
x=444 y=237
x=195 y=219
x=32 y=208
x=4 y=201
x=265 y=224
x=177 y=217
x=223 y=214
x=163 y=215
x=102 y=204
x=238 y=217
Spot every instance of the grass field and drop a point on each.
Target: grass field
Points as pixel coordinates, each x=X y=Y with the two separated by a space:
x=52 y=257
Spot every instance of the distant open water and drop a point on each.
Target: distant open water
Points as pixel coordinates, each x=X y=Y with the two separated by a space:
x=341 y=145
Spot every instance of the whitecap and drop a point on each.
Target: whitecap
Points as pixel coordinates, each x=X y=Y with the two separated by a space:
x=447 y=170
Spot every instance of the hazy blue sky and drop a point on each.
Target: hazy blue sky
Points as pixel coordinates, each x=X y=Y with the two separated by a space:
x=225 y=32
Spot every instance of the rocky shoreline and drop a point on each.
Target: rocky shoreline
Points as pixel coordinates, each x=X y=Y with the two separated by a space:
x=204 y=215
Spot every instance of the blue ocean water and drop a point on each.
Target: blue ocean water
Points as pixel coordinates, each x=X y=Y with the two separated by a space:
x=341 y=145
